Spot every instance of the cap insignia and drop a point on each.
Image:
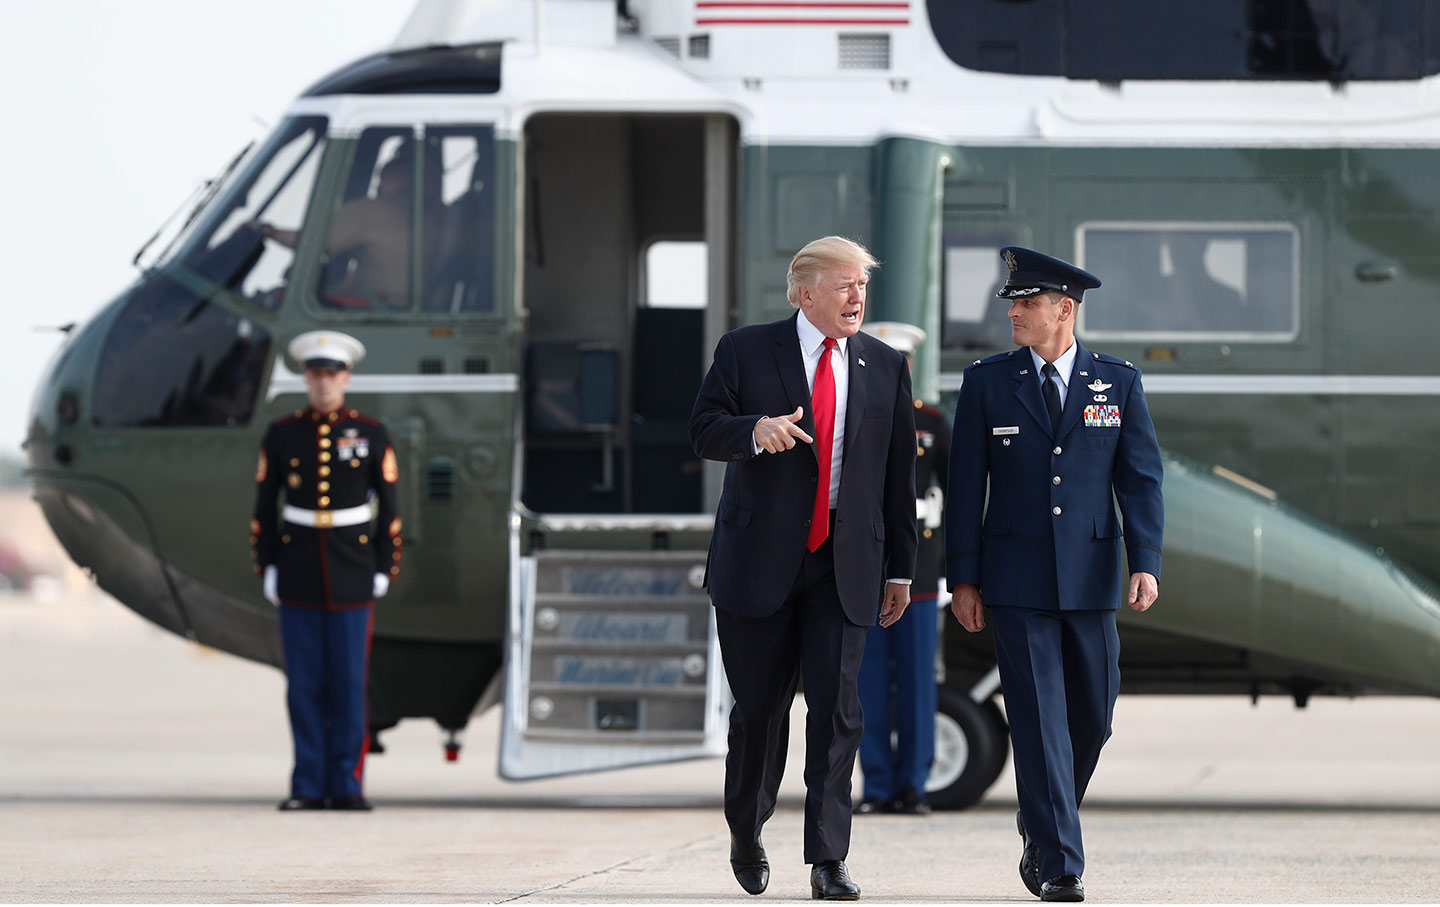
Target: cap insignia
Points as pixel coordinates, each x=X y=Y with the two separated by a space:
x=1010 y=261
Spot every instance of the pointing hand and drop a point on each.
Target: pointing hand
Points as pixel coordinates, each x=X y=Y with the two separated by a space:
x=776 y=433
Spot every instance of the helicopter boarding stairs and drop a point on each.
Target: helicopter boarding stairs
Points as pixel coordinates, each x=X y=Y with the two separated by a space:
x=612 y=657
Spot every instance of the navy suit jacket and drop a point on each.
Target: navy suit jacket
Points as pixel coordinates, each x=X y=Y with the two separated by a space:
x=1019 y=549
x=764 y=513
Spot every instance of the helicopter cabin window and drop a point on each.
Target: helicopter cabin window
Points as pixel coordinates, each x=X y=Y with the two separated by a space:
x=676 y=275
x=1115 y=40
x=375 y=238
x=371 y=236
x=1192 y=282
x=459 y=220
x=246 y=242
x=974 y=320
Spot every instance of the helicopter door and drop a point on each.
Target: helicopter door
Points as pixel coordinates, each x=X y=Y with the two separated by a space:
x=612 y=658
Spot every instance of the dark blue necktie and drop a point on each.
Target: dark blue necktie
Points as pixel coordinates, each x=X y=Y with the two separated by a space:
x=1051 y=394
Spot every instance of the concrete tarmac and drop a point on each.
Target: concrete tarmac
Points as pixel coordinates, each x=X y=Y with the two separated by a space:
x=136 y=767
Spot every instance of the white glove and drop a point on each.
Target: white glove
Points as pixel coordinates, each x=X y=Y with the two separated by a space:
x=271 y=586
x=382 y=585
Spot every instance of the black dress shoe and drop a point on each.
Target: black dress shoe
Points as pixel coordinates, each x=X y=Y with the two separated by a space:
x=747 y=861
x=295 y=803
x=911 y=803
x=830 y=881
x=1029 y=860
x=1063 y=888
x=355 y=803
x=872 y=805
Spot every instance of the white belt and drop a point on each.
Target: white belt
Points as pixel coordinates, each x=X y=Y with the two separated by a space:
x=327 y=519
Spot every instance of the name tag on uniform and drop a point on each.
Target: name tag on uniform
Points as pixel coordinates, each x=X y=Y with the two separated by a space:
x=1102 y=417
x=1005 y=430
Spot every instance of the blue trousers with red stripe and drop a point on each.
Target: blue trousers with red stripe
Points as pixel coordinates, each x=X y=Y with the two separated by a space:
x=897 y=692
x=327 y=662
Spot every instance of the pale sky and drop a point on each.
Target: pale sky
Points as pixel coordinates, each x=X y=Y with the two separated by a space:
x=114 y=112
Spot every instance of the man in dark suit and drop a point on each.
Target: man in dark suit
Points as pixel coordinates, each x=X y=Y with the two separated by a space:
x=1061 y=433
x=816 y=423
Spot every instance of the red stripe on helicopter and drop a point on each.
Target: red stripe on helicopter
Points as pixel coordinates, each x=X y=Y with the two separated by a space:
x=802 y=21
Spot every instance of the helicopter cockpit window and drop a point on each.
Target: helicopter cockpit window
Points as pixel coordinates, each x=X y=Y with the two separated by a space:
x=175 y=358
x=458 y=227
x=1192 y=282
x=973 y=319
x=269 y=200
x=371 y=235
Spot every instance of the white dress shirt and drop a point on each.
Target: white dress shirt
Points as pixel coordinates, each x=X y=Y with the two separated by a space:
x=1064 y=368
x=812 y=344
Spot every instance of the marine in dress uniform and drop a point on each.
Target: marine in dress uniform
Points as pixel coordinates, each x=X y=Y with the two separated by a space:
x=325 y=556
x=897 y=674
x=1061 y=433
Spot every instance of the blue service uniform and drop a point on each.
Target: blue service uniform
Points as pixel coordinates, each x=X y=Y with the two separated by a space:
x=327 y=551
x=897 y=674
x=1045 y=553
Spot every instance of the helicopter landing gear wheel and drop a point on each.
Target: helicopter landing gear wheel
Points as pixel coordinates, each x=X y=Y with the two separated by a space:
x=971 y=745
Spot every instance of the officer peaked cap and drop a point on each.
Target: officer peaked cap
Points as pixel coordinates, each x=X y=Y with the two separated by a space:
x=326 y=349
x=1033 y=273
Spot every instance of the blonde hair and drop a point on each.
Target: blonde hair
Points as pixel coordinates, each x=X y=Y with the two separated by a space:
x=821 y=255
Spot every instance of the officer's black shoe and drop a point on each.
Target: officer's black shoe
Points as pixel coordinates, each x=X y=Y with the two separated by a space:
x=295 y=803
x=830 y=881
x=1029 y=860
x=354 y=802
x=911 y=803
x=748 y=862
x=872 y=805
x=1063 y=888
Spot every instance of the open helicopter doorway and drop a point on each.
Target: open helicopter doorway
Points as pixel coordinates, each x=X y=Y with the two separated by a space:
x=627 y=233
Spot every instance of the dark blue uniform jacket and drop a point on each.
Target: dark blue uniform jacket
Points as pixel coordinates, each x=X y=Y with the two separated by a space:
x=1049 y=537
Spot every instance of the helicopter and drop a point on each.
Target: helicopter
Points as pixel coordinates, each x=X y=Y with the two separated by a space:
x=1258 y=200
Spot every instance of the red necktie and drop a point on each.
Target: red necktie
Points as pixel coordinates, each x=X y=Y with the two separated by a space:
x=822 y=403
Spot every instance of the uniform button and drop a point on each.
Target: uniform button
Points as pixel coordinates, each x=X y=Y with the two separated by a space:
x=1056 y=451
x=324 y=443
x=394 y=571
x=324 y=429
x=807 y=522
x=814 y=479
x=324 y=470
x=325 y=486
x=1054 y=481
x=929 y=532
x=294 y=461
x=285 y=539
x=325 y=502
x=364 y=539
x=354 y=464
x=397 y=555
x=1055 y=510
x=324 y=456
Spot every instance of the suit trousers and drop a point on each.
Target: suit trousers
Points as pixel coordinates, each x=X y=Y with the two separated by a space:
x=897 y=692
x=327 y=664
x=1060 y=674
x=809 y=637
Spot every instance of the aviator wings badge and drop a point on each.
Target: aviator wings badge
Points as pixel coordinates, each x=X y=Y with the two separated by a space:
x=1097 y=386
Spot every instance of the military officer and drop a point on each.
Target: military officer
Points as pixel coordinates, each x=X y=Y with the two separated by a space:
x=325 y=557
x=1060 y=433
x=897 y=674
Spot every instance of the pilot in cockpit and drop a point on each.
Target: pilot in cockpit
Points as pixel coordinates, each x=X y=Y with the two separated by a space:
x=368 y=247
